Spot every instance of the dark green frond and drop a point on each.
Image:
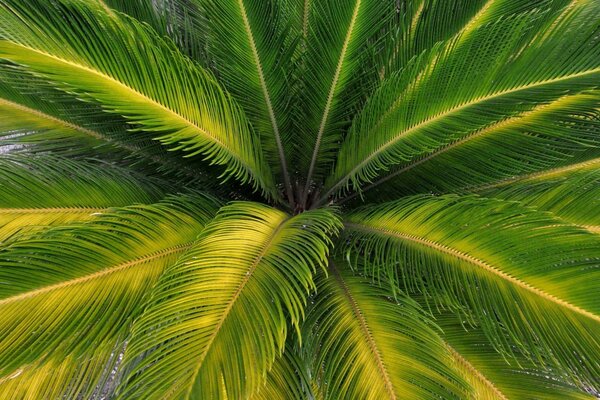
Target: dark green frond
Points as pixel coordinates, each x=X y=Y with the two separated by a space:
x=512 y=270
x=338 y=33
x=250 y=46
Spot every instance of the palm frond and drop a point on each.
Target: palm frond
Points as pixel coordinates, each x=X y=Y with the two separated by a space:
x=338 y=34
x=494 y=377
x=41 y=191
x=573 y=194
x=512 y=270
x=420 y=24
x=251 y=48
x=68 y=289
x=175 y=100
x=88 y=376
x=368 y=347
x=247 y=276
x=561 y=133
x=467 y=85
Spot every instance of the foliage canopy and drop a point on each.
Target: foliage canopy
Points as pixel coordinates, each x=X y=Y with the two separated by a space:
x=299 y=199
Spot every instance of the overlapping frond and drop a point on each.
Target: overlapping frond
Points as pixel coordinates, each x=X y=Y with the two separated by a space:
x=369 y=347
x=561 y=133
x=420 y=24
x=219 y=318
x=463 y=86
x=494 y=377
x=526 y=278
x=251 y=48
x=40 y=191
x=105 y=57
x=335 y=74
x=288 y=377
x=573 y=193
x=69 y=289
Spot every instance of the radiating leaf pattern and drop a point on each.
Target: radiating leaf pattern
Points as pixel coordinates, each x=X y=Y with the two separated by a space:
x=299 y=199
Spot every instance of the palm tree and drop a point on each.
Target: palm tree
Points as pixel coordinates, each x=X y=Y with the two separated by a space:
x=295 y=199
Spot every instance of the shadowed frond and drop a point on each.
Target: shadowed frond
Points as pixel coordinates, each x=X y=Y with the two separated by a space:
x=420 y=24
x=572 y=194
x=465 y=86
x=337 y=35
x=528 y=279
x=68 y=289
x=288 y=377
x=494 y=377
x=40 y=191
x=175 y=100
x=251 y=48
x=368 y=347
x=246 y=278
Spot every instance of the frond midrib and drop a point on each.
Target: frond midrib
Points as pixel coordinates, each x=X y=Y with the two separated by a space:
x=478 y=374
x=234 y=298
x=330 y=95
x=365 y=330
x=267 y=97
x=476 y=262
x=451 y=111
x=96 y=275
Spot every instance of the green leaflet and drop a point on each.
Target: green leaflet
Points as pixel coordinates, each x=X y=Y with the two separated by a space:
x=195 y=116
x=365 y=346
x=68 y=289
x=516 y=271
x=247 y=276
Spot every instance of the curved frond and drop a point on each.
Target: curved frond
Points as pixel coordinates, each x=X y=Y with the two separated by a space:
x=494 y=377
x=252 y=51
x=338 y=33
x=105 y=57
x=36 y=192
x=561 y=133
x=573 y=195
x=462 y=87
x=368 y=347
x=513 y=270
x=220 y=316
x=68 y=289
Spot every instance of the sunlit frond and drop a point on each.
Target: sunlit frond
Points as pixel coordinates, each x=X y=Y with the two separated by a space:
x=246 y=278
x=176 y=101
x=369 y=347
x=68 y=289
